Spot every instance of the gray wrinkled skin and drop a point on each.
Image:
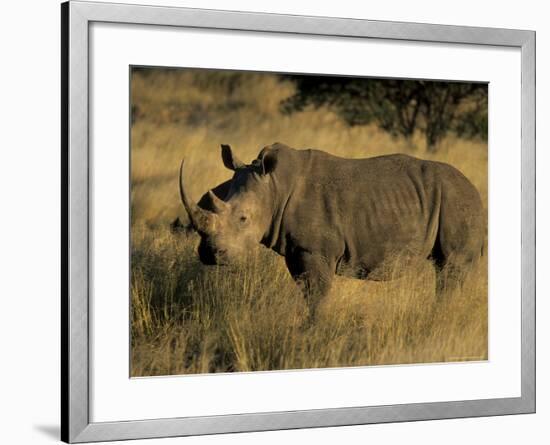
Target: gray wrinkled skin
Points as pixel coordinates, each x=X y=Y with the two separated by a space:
x=329 y=215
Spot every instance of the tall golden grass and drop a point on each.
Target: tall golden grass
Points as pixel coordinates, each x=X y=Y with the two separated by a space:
x=188 y=318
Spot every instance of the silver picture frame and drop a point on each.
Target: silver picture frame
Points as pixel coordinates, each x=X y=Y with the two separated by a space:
x=76 y=18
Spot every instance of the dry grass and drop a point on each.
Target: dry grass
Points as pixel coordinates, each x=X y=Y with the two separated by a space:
x=187 y=318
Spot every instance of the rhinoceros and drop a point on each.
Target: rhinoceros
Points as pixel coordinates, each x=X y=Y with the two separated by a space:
x=329 y=215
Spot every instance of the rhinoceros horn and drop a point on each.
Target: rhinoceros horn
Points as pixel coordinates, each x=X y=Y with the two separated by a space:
x=218 y=205
x=202 y=220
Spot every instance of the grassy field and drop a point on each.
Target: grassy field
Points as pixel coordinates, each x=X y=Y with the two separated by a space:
x=188 y=318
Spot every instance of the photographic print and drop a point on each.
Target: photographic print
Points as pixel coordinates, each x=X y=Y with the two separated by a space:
x=295 y=221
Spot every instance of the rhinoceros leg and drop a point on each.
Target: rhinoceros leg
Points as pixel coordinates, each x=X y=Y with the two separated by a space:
x=459 y=245
x=454 y=273
x=450 y=277
x=313 y=274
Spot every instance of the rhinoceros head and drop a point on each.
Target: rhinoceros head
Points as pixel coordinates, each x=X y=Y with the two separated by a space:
x=231 y=227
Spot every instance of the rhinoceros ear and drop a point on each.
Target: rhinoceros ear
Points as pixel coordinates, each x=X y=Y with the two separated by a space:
x=267 y=161
x=231 y=161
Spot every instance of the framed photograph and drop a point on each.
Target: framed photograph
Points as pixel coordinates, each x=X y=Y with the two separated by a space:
x=275 y=222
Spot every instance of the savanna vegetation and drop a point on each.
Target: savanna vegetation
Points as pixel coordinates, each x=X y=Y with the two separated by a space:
x=189 y=318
